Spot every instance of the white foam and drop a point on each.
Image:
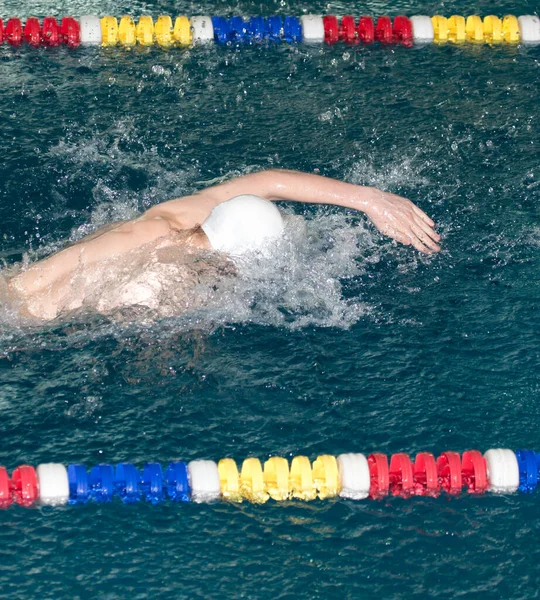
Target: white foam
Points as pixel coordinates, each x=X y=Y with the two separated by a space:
x=301 y=282
x=401 y=171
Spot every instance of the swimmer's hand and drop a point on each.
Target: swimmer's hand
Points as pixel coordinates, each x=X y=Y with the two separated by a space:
x=402 y=220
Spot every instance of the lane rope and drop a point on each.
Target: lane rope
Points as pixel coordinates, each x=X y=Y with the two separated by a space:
x=352 y=476
x=183 y=31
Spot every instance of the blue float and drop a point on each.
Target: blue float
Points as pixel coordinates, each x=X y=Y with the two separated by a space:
x=177 y=482
x=102 y=483
x=79 y=492
x=127 y=483
x=152 y=483
x=273 y=28
x=292 y=30
x=528 y=470
x=238 y=29
x=255 y=28
x=222 y=30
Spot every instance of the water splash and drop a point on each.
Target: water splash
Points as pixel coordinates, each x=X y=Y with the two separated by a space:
x=300 y=283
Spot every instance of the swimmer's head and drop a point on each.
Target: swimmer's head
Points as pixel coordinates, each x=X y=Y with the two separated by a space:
x=242 y=224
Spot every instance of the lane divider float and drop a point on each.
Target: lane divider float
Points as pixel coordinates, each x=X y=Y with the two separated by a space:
x=91 y=30
x=353 y=476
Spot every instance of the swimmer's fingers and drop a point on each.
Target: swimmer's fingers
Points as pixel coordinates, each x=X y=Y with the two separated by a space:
x=427 y=228
x=413 y=236
x=422 y=241
x=432 y=237
x=420 y=213
x=403 y=238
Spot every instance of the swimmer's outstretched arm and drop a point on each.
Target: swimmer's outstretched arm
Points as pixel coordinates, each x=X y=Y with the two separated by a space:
x=393 y=215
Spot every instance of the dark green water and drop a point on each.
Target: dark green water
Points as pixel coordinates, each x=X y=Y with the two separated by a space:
x=351 y=344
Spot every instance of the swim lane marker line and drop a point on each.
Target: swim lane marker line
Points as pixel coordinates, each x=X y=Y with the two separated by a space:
x=353 y=476
x=91 y=30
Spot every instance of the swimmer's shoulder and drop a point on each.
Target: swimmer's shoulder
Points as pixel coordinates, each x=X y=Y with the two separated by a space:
x=147 y=227
x=184 y=213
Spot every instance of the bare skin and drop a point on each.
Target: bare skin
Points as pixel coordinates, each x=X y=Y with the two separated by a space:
x=46 y=287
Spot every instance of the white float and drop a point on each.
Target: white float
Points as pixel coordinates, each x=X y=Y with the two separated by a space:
x=204 y=480
x=354 y=476
x=202 y=30
x=529 y=29
x=90 y=30
x=502 y=470
x=422 y=29
x=312 y=28
x=53 y=484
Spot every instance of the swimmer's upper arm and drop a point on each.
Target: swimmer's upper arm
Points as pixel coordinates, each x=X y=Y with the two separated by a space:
x=190 y=211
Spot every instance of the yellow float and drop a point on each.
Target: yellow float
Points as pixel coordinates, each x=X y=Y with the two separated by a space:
x=440 y=28
x=252 y=485
x=493 y=33
x=126 y=32
x=182 y=31
x=229 y=480
x=109 y=31
x=510 y=27
x=163 y=31
x=456 y=29
x=475 y=29
x=276 y=478
x=145 y=31
x=301 y=479
x=326 y=476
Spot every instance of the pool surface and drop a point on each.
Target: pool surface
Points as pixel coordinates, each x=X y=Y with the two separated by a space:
x=349 y=343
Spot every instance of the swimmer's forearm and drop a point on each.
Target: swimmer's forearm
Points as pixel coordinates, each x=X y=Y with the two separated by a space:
x=43 y=273
x=317 y=189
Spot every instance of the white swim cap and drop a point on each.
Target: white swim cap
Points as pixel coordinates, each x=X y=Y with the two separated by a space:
x=243 y=223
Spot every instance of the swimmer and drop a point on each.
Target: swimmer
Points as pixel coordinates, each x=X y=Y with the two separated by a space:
x=166 y=242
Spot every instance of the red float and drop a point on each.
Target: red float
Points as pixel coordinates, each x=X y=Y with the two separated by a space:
x=50 y=32
x=5 y=489
x=1 y=31
x=426 y=478
x=14 y=32
x=449 y=470
x=331 y=29
x=383 y=30
x=474 y=472
x=24 y=485
x=348 y=31
x=366 y=30
x=379 y=475
x=403 y=31
x=401 y=476
x=71 y=32
x=32 y=31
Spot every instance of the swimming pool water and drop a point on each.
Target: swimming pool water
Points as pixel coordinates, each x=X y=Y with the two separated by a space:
x=349 y=343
